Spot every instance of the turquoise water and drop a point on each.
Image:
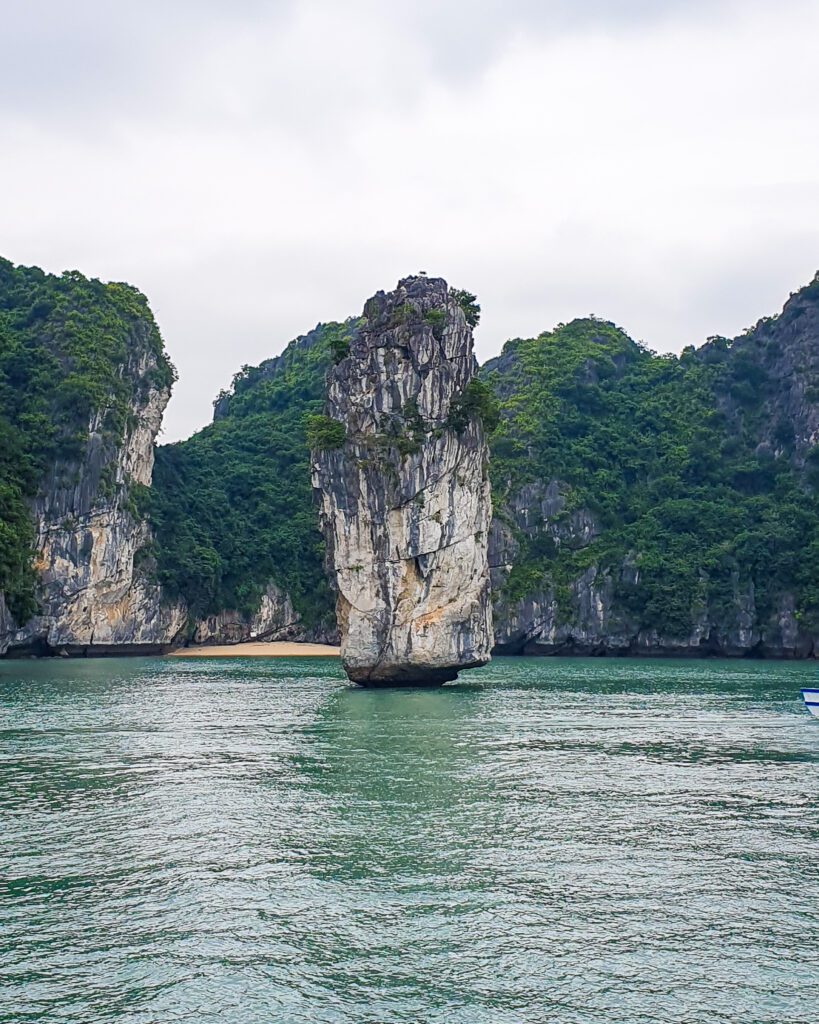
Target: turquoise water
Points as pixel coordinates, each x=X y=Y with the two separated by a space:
x=551 y=840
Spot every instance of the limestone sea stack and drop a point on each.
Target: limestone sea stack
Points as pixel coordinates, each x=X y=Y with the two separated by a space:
x=400 y=470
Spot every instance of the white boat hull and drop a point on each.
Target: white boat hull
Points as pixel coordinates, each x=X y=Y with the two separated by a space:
x=811 y=699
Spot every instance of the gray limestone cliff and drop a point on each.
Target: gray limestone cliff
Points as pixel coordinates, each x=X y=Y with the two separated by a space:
x=778 y=362
x=275 y=619
x=8 y=626
x=590 y=618
x=92 y=594
x=400 y=472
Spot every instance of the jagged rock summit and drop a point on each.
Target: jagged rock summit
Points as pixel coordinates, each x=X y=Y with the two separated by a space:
x=400 y=469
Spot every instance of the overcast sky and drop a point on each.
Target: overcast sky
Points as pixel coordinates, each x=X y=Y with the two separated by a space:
x=256 y=166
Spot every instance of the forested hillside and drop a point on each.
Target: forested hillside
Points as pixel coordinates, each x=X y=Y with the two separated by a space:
x=657 y=501
x=232 y=506
x=643 y=503
x=64 y=344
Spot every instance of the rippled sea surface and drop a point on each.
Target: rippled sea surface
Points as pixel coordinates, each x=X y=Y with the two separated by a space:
x=551 y=840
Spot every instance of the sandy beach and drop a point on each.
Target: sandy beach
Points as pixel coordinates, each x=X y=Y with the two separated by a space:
x=276 y=649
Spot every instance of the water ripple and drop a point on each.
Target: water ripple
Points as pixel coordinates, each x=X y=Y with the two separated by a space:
x=563 y=841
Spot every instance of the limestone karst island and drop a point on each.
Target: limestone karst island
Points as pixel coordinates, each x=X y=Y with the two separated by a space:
x=365 y=486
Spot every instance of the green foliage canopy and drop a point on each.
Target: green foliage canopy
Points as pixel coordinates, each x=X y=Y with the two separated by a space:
x=232 y=507
x=469 y=304
x=679 y=491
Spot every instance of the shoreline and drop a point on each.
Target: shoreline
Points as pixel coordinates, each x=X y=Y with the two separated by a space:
x=295 y=649
x=272 y=649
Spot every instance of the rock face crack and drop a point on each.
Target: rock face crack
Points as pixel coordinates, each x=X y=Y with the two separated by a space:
x=407 y=527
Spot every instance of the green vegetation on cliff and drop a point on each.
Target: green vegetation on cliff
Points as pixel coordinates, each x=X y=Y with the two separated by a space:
x=232 y=506
x=697 y=473
x=665 y=452
x=63 y=343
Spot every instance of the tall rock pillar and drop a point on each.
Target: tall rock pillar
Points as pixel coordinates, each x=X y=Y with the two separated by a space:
x=400 y=469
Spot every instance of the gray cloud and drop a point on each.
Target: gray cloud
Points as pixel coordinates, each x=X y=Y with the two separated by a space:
x=77 y=62
x=77 y=59
x=255 y=167
x=463 y=39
